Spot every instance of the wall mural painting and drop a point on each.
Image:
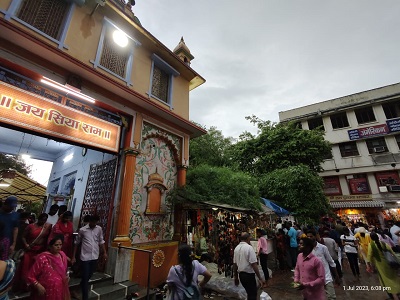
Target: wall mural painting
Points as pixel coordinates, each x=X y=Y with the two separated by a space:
x=159 y=155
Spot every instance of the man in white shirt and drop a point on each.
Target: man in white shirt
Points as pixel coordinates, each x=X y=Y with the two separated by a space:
x=245 y=267
x=395 y=232
x=53 y=216
x=333 y=249
x=322 y=252
x=91 y=237
x=278 y=226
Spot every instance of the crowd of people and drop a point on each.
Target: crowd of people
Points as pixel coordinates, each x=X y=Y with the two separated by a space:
x=315 y=255
x=36 y=254
x=304 y=249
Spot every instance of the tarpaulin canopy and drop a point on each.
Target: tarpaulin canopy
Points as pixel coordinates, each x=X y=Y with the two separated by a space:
x=281 y=212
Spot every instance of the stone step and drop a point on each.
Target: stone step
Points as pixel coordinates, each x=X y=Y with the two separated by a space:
x=120 y=291
x=98 y=279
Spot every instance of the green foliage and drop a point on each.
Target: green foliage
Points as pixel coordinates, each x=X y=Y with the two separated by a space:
x=14 y=162
x=34 y=207
x=299 y=189
x=219 y=185
x=210 y=149
x=279 y=146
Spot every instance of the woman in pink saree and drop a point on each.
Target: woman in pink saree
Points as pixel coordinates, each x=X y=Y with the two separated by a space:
x=48 y=275
x=65 y=228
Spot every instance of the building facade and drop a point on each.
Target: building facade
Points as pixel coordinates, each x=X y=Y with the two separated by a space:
x=87 y=73
x=361 y=180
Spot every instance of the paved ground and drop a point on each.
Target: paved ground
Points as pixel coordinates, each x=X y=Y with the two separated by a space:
x=368 y=287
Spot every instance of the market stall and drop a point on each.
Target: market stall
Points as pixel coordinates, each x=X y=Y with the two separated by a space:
x=212 y=230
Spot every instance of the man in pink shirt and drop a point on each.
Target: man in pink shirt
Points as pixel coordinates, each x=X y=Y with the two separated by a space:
x=262 y=251
x=309 y=274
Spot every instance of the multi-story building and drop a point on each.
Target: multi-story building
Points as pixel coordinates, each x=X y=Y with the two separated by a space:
x=89 y=75
x=361 y=179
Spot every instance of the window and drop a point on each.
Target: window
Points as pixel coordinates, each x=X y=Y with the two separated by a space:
x=377 y=145
x=339 y=121
x=391 y=110
x=316 y=123
x=47 y=17
x=348 y=149
x=365 y=115
x=112 y=57
x=160 y=86
x=161 y=81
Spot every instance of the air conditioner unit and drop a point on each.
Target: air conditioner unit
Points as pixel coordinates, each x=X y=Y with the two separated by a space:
x=379 y=149
x=394 y=188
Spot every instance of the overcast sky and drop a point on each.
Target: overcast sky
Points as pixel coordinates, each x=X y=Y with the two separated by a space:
x=261 y=57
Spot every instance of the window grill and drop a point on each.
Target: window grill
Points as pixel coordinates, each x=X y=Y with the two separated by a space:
x=160 y=84
x=391 y=110
x=339 y=120
x=365 y=115
x=348 y=149
x=113 y=57
x=376 y=145
x=45 y=15
x=316 y=123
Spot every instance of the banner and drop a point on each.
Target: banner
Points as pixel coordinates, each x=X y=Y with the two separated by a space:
x=36 y=113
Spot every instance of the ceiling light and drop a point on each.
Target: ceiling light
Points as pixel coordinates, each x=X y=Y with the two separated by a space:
x=4 y=184
x=120 y=38
x=66 y=89
x=68 y=157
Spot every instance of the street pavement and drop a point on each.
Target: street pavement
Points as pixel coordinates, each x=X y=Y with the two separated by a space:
x=366 y=288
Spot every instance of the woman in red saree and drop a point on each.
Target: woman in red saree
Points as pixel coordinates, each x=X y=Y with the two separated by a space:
x=34 y=240
x=48 y=275
x=65 y=228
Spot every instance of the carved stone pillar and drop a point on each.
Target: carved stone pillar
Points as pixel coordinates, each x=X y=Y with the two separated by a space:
x=123 y=217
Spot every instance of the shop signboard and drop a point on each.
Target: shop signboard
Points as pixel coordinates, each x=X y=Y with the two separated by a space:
x=33 y=112
x=367 y=132
x=394 y=125
x=387 y=178
x=350 y=197
x=359 y=185
x=332 y=186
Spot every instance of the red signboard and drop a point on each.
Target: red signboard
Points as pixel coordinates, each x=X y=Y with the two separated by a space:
x=30 y=111
x=332 y=186
x=387 y=178
x=359 y=186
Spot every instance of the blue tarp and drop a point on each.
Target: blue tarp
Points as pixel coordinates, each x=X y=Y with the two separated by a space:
x=281 y=212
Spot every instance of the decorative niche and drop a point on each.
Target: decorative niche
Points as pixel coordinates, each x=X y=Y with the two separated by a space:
x=155 y=190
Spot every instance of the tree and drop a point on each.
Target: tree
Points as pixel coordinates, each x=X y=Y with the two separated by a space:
x=14 y=162
x=219 y=185
x=279 y=146
x=210 y=149
x=299 y=189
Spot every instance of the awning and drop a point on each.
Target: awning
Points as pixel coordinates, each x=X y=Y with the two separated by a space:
x=276 y=208
x=351 y=204
x=208 y=204
x=24 y=188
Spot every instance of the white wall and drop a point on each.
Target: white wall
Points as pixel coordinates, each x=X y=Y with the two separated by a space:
x=80 y=165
